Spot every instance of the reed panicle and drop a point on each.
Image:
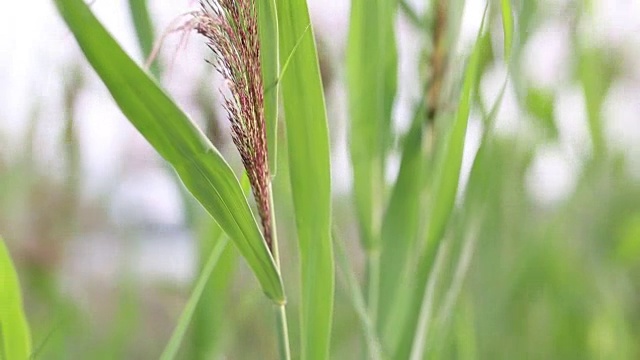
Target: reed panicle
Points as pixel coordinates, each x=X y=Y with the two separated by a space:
x=231 y=29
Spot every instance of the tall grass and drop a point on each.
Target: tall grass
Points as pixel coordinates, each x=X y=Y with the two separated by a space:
x=450 y=268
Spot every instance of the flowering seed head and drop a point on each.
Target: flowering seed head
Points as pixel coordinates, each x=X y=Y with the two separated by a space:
x=231 y=29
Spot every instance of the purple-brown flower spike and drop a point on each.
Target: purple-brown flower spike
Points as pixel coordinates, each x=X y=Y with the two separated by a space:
x=231 y=28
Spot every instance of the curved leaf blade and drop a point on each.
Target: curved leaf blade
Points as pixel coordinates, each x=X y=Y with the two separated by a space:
x=200 y=166
x=15 y=336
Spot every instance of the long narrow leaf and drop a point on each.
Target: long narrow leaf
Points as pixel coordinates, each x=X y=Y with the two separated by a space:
x=444 y=194
x=507 y=27
x=401 y=221
x=596 y=76
x=210 y=325
x=371 y=80
x=357 y=299
x=187 y=313
x=15 y=336
x=308 y=142
x=144 y=30
x=270 y=61
x=199 y=165
x=426 y=308
x=448 y=173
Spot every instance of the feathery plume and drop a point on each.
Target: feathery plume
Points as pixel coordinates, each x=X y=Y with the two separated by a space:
x=231 y=29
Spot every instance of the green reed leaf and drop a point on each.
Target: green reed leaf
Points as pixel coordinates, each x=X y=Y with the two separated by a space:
x=15 y=336
x=200 y=166
x=309 y=163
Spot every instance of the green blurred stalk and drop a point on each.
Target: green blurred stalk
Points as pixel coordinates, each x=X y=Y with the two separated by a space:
x=374 y=350
x=371 y=83
x=410 y=13
x=144 y=31
x=209 y=323
x=373 y=284
x=173 y=346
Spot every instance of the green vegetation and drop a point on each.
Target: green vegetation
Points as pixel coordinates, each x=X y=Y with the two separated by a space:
x=463 y=252
x=15 y=338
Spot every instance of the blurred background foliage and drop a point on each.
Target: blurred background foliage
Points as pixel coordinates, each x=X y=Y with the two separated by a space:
x=107 y=243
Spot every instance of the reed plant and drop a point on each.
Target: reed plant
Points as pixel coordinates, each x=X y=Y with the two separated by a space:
x=442 y=275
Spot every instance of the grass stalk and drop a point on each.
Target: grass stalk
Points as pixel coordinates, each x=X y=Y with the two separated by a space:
x=171 y=350
x=414 y=18
x=283 y=332
x=373 y=286
x=426 y=309
x=355 y=294
x=280 y=309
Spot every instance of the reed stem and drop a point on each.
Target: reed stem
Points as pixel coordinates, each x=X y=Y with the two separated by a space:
x=280 y=309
